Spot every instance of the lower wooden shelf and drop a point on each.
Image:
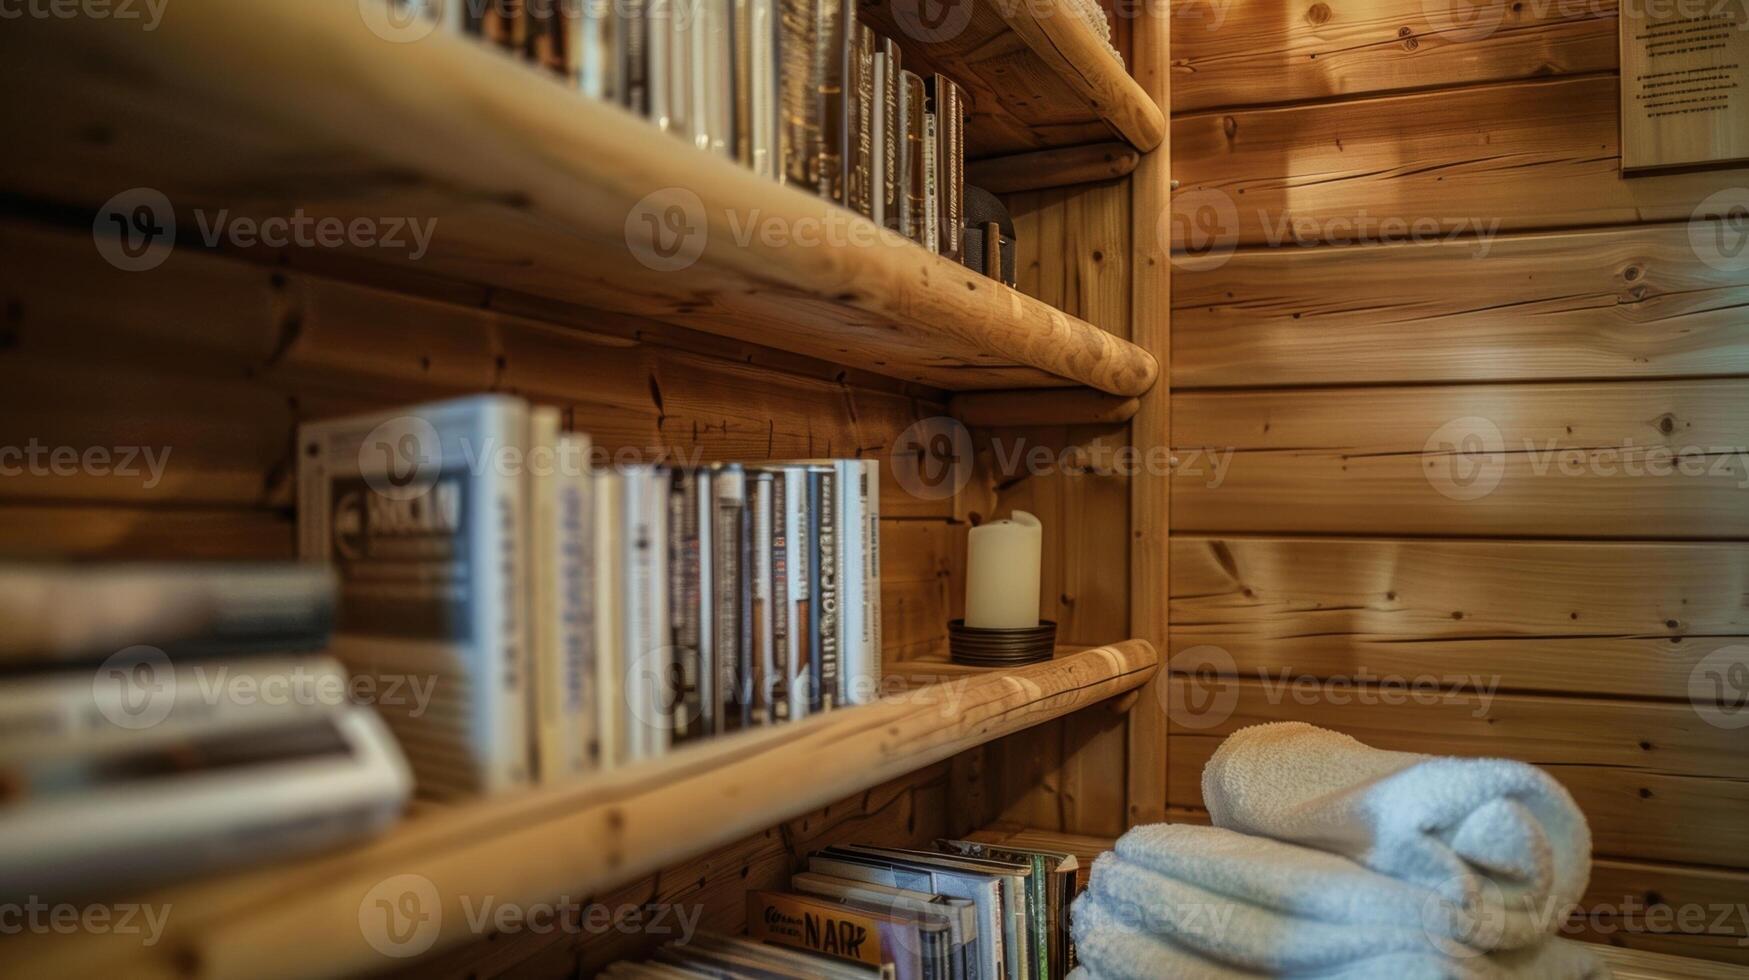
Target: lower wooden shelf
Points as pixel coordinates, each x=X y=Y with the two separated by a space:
x=319 y=917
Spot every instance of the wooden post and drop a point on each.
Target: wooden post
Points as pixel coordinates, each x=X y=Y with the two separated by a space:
x=1150 y=502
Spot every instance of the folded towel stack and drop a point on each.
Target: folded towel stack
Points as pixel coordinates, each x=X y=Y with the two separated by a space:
x=1331 y=859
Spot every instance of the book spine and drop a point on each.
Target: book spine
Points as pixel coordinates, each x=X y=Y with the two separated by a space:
x=504 y=600
x=598 y=52
x=684 y=603
x=916 y=177
x=763 y=101
x=505 y=24
x=577 y=598
x=800 y=605
x=824 y=569
x=782 y=599
x=930 y=213
x=634 y=62
x=540 y=599
x=889 y=120
x=832 y=56
x=799 y=136
x=852 y=685
x=709 y=694
x=610 y=571
x=759 y=615
x=728 y=546
x=871 y=485
x=744 y=92
x=863 y=173
x=950 y=163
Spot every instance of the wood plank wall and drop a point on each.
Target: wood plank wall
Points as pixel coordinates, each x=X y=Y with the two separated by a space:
x=1067 y=775
x=210 y=363
x=1509 y=458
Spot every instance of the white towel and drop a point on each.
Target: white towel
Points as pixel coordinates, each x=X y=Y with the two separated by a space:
x=1110 y=948
x=1496 y=837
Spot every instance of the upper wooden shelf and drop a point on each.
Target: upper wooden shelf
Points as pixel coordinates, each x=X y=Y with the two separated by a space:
x=1037 y=75
x=304 y=919
x=241 y=109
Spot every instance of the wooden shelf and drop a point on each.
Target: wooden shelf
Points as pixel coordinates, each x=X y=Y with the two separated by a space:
x=261 y=110
x=304 y=919
x=1037 y=75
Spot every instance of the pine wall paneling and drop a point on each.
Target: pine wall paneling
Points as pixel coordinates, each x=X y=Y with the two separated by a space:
x=1558 y=585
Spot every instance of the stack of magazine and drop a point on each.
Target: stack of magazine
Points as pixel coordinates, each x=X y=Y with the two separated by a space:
x=569 y=617
x=163 y=720
x=798 y=91
x=964 y=911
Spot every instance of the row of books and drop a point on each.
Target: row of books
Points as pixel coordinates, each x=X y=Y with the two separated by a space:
x=964 y=911
x=798 y=91
x=575 y=617
x=158 y=721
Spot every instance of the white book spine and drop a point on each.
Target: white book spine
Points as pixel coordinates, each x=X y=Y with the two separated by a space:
x=852 y=654
x=610 y=665
x=799 y=562
x=762 y=100
x=871 y=577
x=577 y=599
x=709 y=694
x=764 y=648
x=657 y=627
x=503 y=578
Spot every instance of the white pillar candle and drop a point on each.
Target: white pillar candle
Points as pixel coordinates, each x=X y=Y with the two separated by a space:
x=1002 y=571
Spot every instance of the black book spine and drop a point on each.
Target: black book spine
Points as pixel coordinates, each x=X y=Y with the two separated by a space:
x=683 y=604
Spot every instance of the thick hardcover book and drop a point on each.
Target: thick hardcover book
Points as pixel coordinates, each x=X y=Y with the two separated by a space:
x=799 y=95
x=730 y=582
x=847 y=930
x=685 y=602
x=950 y=164
x=432 y=555
x=915 y=212
x=834 y=20
x=760 y=609
x=889 y=135
x=861 y=187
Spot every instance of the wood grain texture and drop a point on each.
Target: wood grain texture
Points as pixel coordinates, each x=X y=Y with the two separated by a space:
x=1628 y=302
x=1057 y=406
x=1475 y=161
x=1044 y=169
x=616 y=828
x=549 y=198
x=907 y=812
x=1035 y=74
x=1629 y=460
x=1150 y=492
x=1239 y=54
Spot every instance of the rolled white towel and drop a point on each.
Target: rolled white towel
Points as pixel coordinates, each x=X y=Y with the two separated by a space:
x=1494 y=836
x=1111 y=947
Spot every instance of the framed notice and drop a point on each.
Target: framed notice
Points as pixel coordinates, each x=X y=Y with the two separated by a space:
x=1683 y=101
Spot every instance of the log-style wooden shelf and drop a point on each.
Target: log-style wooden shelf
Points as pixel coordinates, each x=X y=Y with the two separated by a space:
x=304 y=919
x=240 y=109
x=1037 y=75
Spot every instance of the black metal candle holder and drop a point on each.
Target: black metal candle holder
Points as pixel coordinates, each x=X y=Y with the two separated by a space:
x=976 y=647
